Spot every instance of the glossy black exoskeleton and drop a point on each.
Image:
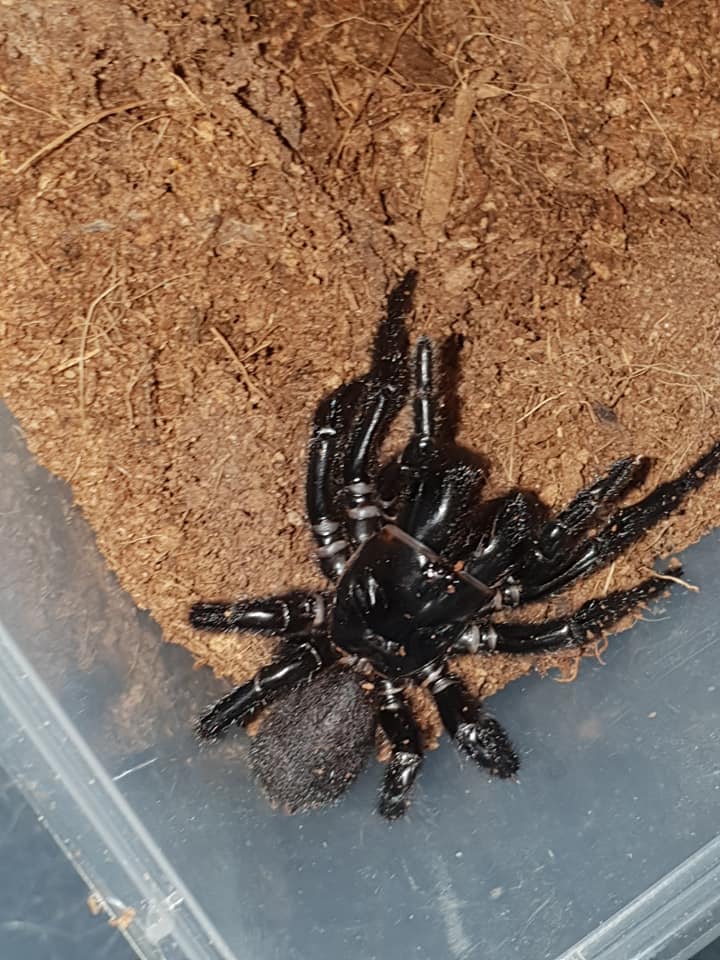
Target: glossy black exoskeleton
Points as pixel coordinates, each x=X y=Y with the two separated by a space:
x=421 y=565
x=400 y=606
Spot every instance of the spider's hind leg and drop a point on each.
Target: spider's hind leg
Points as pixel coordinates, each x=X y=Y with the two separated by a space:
x=398 y=724
x=299 y=663
x=475 y=732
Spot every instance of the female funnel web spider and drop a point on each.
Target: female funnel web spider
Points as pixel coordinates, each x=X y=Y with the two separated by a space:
x=419 y=565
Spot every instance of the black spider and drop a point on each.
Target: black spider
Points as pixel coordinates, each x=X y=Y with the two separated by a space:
x=420 y=565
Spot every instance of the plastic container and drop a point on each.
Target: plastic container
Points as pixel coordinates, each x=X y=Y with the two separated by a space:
x=608 y=847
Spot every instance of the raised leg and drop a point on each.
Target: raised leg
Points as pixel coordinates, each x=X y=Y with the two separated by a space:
x=299 y=663
x=348 y=427
x=579 y=628
x=476 y=733
x=395 y=476
x=437 y=484
x=399 y=727
x=386 y=392
x=282 y=615
x=425 y=401
x=624 y=527
x=325 y=514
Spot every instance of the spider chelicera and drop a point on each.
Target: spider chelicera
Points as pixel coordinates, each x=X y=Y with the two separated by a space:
x=420 y=565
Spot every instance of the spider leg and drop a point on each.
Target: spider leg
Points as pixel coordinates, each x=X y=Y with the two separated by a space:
x=437 y=482
x=362 y=409
x=395 y=475
x=425 y=401
x=510 y=529
x=386 y=392
x=572 y=631
x=300 y=663
x=622 y=528
x=583 y=509
x=328 y=429
x=399 y=727
x=475 y=732
x=517 y=525
x=281 y=615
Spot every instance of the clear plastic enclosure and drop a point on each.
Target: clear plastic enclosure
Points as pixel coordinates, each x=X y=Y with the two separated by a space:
x=608 y=847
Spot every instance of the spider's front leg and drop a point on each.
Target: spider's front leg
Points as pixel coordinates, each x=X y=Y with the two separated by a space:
x=297 y=664
x=475 y=732
x=348 y=428
x=386 y=392
x=436 y=483
x=398 y=724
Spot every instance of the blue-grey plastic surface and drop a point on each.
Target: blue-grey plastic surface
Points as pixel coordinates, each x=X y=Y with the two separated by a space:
x=607 y=848
x=43 y=912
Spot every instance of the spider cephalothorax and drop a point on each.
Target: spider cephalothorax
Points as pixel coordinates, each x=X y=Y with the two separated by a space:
x=420 y=565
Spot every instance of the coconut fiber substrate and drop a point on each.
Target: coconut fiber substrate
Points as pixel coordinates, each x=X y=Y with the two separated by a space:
x=204 y=204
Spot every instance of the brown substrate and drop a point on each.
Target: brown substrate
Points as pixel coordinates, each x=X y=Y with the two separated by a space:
x=185 y=275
